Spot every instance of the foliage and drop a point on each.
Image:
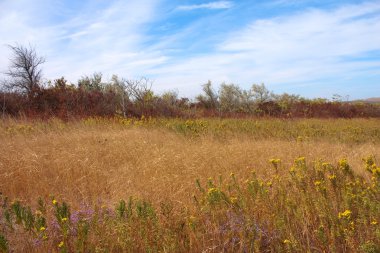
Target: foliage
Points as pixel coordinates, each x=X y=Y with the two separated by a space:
x=93 y=97
x=93 y=83
x=24 y=93
x=210 y=98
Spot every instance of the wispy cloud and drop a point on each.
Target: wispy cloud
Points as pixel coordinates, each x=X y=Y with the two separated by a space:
x=111 y=39
x=308 y=49
x=211 y=5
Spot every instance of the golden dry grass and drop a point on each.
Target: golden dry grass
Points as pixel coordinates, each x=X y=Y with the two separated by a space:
x=106 y=164
x=93 y=164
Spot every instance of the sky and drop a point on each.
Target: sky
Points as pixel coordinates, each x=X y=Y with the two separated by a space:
x=314 y=48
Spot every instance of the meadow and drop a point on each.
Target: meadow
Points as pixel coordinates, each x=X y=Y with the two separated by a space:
x=197 y=185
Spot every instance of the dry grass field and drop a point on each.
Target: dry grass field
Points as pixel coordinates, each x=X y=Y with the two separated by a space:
x=95 y=163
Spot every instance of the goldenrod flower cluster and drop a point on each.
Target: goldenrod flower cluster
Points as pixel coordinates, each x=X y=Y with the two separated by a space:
x=345 y=215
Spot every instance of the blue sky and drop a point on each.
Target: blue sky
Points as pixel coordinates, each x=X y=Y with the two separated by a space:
x=307 y=47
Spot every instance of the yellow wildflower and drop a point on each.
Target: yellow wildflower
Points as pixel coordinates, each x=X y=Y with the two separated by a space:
x=55 y=202
x=300 y=160
x=286 y=241
x=346 y=214
x=325 y=165
x=275 y=161
x=234 y=200
x=343 y=164
x=212 y=190
x=60 y=245
x=42 y=228
x=374 y=222
x=376 y=171
x=64 y=219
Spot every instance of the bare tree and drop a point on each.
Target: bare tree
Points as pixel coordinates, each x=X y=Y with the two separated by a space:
x=25 y=69
x=140 y=91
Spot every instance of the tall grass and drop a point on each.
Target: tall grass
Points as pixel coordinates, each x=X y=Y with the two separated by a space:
x=330 y=130
x=167 y=185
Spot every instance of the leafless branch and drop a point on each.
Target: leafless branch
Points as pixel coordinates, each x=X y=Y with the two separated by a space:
x=24 y=72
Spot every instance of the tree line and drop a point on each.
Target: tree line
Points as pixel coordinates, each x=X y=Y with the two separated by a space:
x=23 y=92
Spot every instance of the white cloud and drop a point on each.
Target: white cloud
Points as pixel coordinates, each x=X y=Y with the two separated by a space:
x=211 y=5
x=309 y=48
x=113 y=40
x=306 y=49
x=110 y=40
